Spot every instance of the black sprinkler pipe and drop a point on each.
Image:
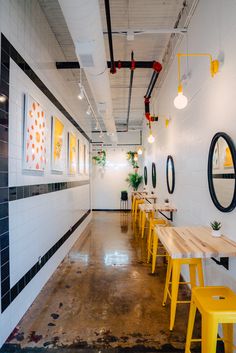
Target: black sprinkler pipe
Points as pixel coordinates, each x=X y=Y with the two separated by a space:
x=66 y=65
x=109 y=30
x=157 y=67
x=130 y=87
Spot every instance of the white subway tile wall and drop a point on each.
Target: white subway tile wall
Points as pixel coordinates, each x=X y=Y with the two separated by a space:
x=45 y=225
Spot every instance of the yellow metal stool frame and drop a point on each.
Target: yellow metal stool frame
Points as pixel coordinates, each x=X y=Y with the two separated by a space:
x=153 y=241
x=174 y=270
x=133 y=205
x=216 y=305
x=146 y=215
x=137 y=203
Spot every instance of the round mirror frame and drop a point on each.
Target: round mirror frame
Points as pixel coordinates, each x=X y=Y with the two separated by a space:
x=145 y=177
x=230 y=143
x=172 y=187
x=154 y=175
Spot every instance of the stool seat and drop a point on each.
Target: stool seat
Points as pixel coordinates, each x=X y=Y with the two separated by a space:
x=217 y=305
x=215 y=300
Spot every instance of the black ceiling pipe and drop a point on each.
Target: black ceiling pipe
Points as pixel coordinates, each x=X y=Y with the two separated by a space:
x=63 y=65
x=130 y=88
x=109 y=30
x=157 y=67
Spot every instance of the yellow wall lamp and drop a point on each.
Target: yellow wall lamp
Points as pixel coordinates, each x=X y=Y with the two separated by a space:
x=181 y=101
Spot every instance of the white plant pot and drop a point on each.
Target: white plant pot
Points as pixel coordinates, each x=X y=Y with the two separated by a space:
x=216 y=233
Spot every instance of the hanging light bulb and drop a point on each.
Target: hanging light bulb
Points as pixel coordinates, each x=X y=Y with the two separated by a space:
x=136 y=157
x=140 y=151
x=151 y=138
x=3 y=98
x=96 y=127
x=180 y=100
x=88 y=112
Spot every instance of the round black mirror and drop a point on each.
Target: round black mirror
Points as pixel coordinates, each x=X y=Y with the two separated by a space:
x=170 y=174
x=154 y=175
x=221 y=172
x=145 y=175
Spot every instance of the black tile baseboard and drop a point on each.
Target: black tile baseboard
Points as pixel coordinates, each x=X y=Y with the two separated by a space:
x=22 y=192
x=8 y=295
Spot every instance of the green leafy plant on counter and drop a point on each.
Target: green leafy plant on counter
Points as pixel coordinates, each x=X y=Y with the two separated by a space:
x=131 y=156
x=100 y=158
x=216 y=225
x=134 y=180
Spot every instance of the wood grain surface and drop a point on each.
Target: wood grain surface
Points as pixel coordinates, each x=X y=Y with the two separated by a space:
x=195 y=242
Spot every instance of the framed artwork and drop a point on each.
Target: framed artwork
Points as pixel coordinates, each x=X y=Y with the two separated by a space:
x=84 y=157
x=34 y=155
x=78 y=156
x=57 y=144
x=72 y=153
x=87 y=160
x=228 y=160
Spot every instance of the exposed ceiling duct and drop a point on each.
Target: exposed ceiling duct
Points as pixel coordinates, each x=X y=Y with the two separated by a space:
x=84 y=23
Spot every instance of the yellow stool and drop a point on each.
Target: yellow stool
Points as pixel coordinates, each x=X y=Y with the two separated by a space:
x=137 y=203
x=133 y=204
x=141 y=212
x=153 y=240
x=146 y=215
x=216 y=305
x=174 y=270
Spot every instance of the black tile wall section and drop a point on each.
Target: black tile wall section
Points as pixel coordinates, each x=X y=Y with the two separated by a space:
x=8 y=194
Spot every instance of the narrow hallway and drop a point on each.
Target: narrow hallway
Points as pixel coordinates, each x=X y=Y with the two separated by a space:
x=103 y=296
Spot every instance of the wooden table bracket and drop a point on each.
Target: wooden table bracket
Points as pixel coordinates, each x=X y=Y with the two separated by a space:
x=224 y=261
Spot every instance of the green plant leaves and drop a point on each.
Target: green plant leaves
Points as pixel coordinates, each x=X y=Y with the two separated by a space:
x=100 y=159
x=134 y=180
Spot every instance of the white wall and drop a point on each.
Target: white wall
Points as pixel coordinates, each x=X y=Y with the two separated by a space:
x=36 y=223
x=108 y=182
x=211 y=108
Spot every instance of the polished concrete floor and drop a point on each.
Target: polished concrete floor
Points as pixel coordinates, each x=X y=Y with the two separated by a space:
x=103 y=295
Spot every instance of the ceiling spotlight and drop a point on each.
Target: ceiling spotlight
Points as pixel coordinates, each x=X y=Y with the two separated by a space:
x=88 y=112
x=151 y=138
x=2 y=98
x=81 y=95
x=140 y=151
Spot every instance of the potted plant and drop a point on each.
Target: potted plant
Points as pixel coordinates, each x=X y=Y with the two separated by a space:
x=132 y=158
x=134 y=180
x=166 y=202
x=100 y=158
x=215 y=229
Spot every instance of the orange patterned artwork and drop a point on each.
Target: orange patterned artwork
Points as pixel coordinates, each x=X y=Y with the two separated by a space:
x=57 y=144
x=35 y=135
x=72 y=153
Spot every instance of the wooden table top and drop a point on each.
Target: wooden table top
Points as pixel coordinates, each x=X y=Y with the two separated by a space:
x=145 y=196
x=195 y=242
x=156 y=207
